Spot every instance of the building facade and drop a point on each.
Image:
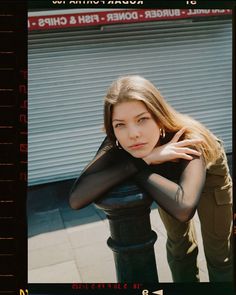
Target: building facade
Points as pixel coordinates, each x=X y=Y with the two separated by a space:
x=74 y=55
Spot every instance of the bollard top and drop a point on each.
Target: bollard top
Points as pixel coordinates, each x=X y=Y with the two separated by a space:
x=125 y=196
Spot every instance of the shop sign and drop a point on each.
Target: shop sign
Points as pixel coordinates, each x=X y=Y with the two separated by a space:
x=101 y=18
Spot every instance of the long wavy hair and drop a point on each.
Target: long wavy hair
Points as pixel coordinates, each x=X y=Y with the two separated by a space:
x=134 y=87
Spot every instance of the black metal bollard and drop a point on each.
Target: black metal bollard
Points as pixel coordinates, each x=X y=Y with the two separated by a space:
x=132 y=239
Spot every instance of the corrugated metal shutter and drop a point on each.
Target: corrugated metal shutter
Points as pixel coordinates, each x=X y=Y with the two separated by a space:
x=69 y=72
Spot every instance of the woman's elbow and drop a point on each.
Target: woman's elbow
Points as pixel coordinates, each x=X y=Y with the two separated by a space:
x=185 y=214
x=73 y=202
x=76 y=201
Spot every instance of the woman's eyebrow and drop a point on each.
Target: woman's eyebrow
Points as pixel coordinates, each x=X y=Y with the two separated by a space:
x=120 y=120
x=117 y=120
x=142 y=114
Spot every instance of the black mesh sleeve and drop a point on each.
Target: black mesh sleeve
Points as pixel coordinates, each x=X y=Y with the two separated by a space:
x=112 y=166
x=178 y=199
x=109 y=168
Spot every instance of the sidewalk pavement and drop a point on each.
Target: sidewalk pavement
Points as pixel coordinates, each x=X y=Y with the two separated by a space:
x=69 y=246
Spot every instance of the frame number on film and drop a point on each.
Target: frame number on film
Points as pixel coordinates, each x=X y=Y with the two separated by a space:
x=191 y=2
x=146 y=292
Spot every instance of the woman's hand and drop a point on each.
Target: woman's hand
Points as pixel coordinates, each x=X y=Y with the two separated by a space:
x=173 y=150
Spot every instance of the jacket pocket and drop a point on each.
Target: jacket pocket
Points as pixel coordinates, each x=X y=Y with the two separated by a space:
x=223 y=195
x=223 y=211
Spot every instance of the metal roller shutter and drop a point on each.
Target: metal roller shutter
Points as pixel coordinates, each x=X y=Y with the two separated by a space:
x=69 y=72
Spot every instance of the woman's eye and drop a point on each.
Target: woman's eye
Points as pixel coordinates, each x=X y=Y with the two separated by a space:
x=119 y=125
x=142 y=119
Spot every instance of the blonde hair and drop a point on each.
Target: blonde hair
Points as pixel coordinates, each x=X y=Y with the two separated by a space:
x=134 y=87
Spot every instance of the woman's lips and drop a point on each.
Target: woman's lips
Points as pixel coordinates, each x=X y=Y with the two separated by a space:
x=137 y=146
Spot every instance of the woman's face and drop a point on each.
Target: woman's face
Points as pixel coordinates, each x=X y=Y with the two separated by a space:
x=135 y=128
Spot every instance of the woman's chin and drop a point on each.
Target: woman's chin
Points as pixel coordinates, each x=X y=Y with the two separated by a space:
x=139 y=154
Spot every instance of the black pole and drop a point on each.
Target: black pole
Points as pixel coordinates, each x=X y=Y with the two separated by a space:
x=132 y=239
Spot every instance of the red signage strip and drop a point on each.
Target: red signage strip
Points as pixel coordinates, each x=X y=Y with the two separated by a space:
x=61 y=21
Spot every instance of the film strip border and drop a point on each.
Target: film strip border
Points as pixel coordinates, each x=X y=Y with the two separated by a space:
x=13 y=146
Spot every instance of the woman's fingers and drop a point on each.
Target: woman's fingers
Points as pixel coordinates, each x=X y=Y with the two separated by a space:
x=187 y=142
x=178 y=135
x=189 y=151
x=184 y=142
x=185 y=156
x=174 y=150
x=186 y=153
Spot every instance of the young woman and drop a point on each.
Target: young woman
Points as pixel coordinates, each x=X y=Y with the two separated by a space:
x=178 y=162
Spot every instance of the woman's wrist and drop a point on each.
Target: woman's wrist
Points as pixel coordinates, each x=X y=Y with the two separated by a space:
x=151 y=159
x=147 y=160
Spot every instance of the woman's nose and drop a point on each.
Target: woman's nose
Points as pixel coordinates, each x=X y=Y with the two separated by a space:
x=134 y=132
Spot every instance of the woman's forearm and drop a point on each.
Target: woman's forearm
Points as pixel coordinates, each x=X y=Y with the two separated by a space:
x=94 y=184
x=179 y=200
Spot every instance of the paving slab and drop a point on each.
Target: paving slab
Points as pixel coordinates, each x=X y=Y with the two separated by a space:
x=92 y=254
x=99 y=273
x=89 y=234
x=45 y=221
x=65 y=272
x=163 y=270
x=73 y=218
x=49 y=255
x=47 y=239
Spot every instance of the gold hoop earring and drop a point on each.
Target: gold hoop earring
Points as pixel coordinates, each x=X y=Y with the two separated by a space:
x=118 y=145
x=162 y=133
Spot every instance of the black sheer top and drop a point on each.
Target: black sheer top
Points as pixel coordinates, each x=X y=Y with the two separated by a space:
x=175 y=186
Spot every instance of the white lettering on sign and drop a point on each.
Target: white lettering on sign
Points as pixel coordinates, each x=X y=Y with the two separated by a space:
x=86 y=19
x=218 y=10
x=52 y=21
x=122 y=16
x=162 y=13
x=198 y=11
